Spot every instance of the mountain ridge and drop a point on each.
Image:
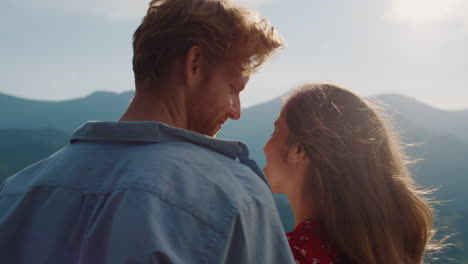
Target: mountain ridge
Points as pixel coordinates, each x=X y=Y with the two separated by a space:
x=130 y=93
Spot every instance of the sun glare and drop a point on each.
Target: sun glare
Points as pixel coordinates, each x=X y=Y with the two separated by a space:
x=425 y=11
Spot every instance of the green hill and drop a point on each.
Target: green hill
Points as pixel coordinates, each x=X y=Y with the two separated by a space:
x=20 y=148
x=63 y=115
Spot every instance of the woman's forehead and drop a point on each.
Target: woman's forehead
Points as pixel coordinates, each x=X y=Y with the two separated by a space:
x=280 y=121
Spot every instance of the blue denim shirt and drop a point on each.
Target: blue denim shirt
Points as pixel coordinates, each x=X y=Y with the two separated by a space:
x=141 y=192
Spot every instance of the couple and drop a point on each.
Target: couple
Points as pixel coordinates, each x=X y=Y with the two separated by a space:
x=157 y=187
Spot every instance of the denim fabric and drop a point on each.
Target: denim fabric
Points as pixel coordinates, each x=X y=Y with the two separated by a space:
x=141 y=192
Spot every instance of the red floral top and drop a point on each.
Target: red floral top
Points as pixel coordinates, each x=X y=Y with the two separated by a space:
x=309 y=246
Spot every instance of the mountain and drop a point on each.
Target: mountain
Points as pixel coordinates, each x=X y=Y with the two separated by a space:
x=108 y=106
x=63 y=115
x=451 y=123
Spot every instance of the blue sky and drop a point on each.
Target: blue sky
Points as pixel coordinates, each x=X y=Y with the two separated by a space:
x=61 y=49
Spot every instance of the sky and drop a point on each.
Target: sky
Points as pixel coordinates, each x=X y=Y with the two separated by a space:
x=63 y=49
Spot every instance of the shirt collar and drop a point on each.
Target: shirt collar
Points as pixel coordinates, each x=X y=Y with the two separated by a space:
x=153 y=132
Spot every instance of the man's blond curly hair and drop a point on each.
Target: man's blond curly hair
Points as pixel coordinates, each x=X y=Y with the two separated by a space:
x=221 y=28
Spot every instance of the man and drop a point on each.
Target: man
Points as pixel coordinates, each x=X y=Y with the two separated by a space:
x=163 y=191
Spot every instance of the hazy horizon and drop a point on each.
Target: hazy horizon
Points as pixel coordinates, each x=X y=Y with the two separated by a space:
x=243 y=107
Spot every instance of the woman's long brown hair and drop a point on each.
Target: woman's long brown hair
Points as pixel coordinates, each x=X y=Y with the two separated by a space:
x=370 y=206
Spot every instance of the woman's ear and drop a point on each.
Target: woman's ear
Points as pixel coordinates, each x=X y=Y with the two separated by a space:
x=298 y=153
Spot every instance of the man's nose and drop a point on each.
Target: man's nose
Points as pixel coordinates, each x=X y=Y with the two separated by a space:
x=235 y=109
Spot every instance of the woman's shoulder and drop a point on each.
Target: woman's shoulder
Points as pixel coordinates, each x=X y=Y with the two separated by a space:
x=309 y=244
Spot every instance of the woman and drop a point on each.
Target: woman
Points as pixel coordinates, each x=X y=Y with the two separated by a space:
x=345 y=176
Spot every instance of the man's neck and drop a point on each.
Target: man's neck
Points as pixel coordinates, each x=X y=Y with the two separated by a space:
x=150 y=106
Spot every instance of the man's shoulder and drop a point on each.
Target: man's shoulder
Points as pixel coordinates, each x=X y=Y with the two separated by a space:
x=189 y=165
x=184 y=175
x=204 y=181
x=186 y=158
x=184 y=150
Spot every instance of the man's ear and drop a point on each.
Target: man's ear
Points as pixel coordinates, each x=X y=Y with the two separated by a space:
x=193 y=66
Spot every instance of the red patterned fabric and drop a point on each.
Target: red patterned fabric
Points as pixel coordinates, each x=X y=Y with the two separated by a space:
x=309 y=245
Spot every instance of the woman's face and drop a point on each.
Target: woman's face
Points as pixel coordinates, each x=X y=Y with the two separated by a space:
x=277 y=167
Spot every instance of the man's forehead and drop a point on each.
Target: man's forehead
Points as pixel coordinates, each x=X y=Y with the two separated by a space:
x=236 y=70
x=233 y=63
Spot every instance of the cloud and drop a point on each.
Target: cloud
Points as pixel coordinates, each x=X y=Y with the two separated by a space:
x=114 y=9
x=429 y=12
